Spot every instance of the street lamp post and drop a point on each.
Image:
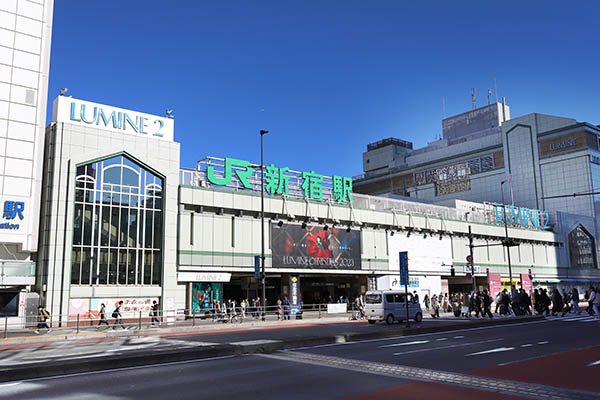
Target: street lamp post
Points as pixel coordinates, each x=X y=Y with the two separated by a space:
x=262 y=225
x=506 y=241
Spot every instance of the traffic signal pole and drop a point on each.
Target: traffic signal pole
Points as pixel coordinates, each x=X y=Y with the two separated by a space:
x=471 y=254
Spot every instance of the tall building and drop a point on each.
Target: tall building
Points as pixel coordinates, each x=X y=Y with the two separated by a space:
x=25 y=35
x=535 y=161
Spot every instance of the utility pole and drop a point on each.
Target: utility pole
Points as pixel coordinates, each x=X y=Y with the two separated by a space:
x=472 y=262
x=507 y=242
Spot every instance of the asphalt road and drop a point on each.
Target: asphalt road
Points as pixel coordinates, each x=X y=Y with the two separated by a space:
x=539 y=359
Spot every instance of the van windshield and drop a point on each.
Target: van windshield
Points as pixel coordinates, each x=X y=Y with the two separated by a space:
x=373 y=299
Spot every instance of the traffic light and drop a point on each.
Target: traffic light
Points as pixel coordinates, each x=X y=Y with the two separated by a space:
x=452 y=271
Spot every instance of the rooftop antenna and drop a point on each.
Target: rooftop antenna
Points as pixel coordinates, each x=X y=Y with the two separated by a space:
x=495 y=89
x=473 y=101
x=489 y=96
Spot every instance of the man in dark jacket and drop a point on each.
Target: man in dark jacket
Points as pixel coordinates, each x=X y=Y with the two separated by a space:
x=514 y=297
x=487 y=303
x=557 y=302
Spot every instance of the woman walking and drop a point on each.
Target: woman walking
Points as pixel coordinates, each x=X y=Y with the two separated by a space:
x=435 y=307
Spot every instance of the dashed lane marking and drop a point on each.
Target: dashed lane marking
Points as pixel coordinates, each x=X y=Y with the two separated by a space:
x=502 y=386
x=497 y=350
x=447 y=347
x=405 y=343
x=526 y=345
x=544 y=342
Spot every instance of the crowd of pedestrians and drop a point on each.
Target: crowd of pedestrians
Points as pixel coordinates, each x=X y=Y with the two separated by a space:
x=516 y=302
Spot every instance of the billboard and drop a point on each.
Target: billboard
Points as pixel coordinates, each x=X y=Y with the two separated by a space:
x=315 y=248
x=90 y=307
x=425 y=254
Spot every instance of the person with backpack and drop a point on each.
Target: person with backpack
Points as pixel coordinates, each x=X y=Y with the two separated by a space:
x=42 y=317
x=102 y=316
x=118 y=316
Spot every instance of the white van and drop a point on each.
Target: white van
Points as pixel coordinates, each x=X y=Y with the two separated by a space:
x=389 y=305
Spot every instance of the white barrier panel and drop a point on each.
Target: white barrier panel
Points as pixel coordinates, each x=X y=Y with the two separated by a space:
x=336 y=308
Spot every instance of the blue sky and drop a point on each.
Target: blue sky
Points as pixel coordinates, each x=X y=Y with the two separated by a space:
x=325 y=77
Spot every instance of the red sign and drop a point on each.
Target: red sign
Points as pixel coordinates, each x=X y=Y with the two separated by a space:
x=494 y=284
x=526 y=282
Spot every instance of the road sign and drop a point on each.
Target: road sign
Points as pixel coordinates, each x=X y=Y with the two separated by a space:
x=403 y=268
x=469 y=268
x=469 y=276
x=257 y=267
x=470 y=259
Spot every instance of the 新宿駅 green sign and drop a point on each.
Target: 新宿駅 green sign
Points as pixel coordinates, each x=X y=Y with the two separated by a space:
x=276 y=180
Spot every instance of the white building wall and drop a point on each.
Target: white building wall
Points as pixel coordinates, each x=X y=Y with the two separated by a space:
x=25 y=37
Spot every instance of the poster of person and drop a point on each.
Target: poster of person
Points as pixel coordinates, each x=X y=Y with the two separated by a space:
x=314 y=247
x=204 y=294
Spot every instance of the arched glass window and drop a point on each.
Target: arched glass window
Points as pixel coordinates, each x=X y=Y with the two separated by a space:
x=582 y=248
x=117 y=226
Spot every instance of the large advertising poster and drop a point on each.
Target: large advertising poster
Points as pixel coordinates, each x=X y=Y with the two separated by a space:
x=204 y=294
x=425 y=254
x=494 y=284
x=315 y=248
x=90 y=308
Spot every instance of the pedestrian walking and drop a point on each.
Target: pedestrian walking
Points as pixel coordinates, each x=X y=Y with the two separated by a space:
x=575 y=300
x=435 y=307
x=595 y=301
x=154 y=313
x=279 y=309
x=557 y=302
x=487 y=304
x=102 y=313
x=118 y=316
x=42 y=318
x=514 y=297
x=244 y=305
x=426 y=301
x=286 y=308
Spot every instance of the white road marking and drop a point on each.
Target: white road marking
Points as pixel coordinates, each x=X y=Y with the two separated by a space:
x=526 y=345
x=498 y=350
x=405 y=343
x=446 y=347
x=458 y=337
x=544 y=342
x=425 y=334
x=594 y=363
x=441 y=339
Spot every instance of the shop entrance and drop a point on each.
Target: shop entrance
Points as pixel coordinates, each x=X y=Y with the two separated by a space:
x=329 y=289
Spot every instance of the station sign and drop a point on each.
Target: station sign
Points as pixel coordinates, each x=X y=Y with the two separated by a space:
x=278 y=180
x=13 y=212
x=101 y=116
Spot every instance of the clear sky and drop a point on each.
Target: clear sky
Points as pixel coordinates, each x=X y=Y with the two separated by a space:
x=325 y=77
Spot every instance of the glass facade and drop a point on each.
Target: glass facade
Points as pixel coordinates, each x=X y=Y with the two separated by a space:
x=117 y=225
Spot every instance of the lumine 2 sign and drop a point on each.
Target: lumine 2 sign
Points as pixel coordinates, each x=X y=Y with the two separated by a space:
x=522 y=216
x=79 y=112
x=277 y=180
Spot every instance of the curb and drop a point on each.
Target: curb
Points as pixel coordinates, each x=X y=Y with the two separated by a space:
x=54 y=368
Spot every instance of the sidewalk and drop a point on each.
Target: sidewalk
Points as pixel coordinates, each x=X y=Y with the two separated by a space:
x=23 y=358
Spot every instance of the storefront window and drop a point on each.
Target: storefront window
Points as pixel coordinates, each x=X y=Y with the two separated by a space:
x=118 y=214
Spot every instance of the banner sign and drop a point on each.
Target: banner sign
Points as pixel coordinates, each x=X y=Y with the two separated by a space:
x=403 y=268
x=521 y=216
x=494 y=284
x=204 y=294
x=295 y=294
x=526 y=282
x=315 y=248
x=90 y=307
x=371 y=283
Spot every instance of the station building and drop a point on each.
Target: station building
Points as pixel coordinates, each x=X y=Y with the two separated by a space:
x=538 y=161
x=122 y=220
x=25 y=38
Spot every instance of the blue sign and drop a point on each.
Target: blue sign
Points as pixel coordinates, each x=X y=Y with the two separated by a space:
x=257 y=267
x=522 y=216
x=12 y=210
x=403 y=268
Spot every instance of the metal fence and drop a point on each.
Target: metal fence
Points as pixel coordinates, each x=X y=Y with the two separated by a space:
x=76 y=323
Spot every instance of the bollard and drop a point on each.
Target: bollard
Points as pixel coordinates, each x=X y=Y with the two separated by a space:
x=193 y=318
x=5 y=327
x=140 y=324
x=319 y=310
x=77 y=323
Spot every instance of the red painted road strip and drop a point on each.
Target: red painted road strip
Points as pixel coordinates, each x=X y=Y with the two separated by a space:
x=568 y=370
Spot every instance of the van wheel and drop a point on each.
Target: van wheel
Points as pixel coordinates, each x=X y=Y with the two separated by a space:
x=390 y=319
x=419 y=317
x=372 y=321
